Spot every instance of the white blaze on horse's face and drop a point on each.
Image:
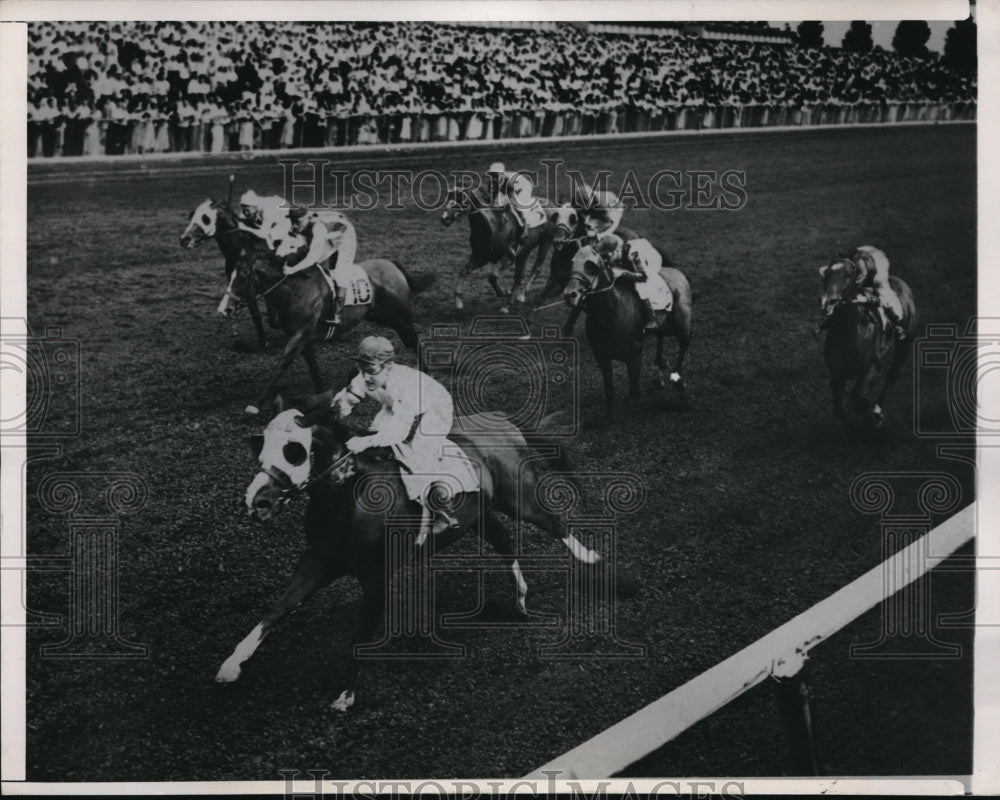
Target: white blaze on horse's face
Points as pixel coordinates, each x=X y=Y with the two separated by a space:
x=836 y=279
x=201 y=226
x=286 y=450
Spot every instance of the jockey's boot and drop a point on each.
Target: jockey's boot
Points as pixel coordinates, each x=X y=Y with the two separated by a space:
x=444 y=508
x=895 y=322
x=338 y=304
x=651 y=322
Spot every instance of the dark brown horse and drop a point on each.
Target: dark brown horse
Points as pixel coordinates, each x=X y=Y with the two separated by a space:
x=616 y=320
x=303 y=303
x=493 y=238
x=859 y=348
x=214 y=219
x=568 y=234
x=353 y=499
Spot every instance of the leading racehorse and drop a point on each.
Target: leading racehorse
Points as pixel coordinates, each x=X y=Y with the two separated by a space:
x=493 y=238
x=567 y=234
x=214 y=219
x=354 y=499
x=616 y=320
x=304 y=301
x=860 y=348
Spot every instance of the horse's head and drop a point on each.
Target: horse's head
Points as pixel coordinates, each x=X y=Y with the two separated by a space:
x=565 y=221
x=202 y=224
x=840 y=281
x=587 y=269
x=296 y=452
x=289 y=245
x=457 y=204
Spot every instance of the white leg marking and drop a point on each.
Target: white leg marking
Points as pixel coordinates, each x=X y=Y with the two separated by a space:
x=345 y=701
x=580 y=553
x=675 y=377
x=522 y=587
x=252 y=410
x=230 y=669
x=877 y=409
x=224 y=305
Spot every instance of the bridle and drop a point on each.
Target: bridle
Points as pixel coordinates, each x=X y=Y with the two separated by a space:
x=340 y=470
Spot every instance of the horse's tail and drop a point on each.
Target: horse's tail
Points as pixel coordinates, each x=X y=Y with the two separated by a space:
x=420 y=283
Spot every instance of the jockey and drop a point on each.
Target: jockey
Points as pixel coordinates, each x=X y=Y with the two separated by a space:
x=874 y=267
x=515 y=191
x=602 y=212
x=639 y=261
x=333 y=234
x=259 y=214
x=415 y=420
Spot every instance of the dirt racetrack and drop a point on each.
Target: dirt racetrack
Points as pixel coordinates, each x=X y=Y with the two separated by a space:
x=747 y=521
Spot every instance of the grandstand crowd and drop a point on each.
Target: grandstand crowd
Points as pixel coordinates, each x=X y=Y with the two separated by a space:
x=147 y=87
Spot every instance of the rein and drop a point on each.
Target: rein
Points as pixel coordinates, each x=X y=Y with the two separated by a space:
x=343 y=468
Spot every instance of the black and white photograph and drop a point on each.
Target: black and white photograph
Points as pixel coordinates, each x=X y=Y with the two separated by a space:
x=520 y=399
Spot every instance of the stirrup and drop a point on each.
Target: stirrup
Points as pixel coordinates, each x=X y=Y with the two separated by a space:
x=443 y=521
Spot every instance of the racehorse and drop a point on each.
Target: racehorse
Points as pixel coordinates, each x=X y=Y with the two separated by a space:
x=616 y=320
x=859 y=348
x=214 y=219
x=567 y=234
x=303 y=303
x=354 y=498
x=493 y=238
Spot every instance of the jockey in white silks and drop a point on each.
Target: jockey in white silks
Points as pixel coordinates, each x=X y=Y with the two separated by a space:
x=642 y=262
x=515 y=191
x=416 y=416
x=326 y=233
x=875 y=267
x=602 y=212
x=260 y=215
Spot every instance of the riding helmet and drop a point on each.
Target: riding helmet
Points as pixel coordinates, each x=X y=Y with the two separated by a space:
x=375 y=350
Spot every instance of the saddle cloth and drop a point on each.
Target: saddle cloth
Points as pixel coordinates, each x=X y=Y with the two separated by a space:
x=443 y=463
x=354 y=279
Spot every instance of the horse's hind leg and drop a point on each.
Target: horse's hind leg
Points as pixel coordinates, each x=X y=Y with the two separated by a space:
x=312 y=573
x=676 y=378
x=634 y=368
x=498 y=537
x=493 y=276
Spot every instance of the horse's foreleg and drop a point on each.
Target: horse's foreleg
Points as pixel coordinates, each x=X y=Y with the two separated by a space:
x=309 y=355
x=837 y=386
x=683 y=343
x=609 y=388
x=571 y=318
x=634 y=368
x=370 y=619
x=312 y=573
x=258 y=324
x=536 y=268
x=462 y=279
x=292 y=349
